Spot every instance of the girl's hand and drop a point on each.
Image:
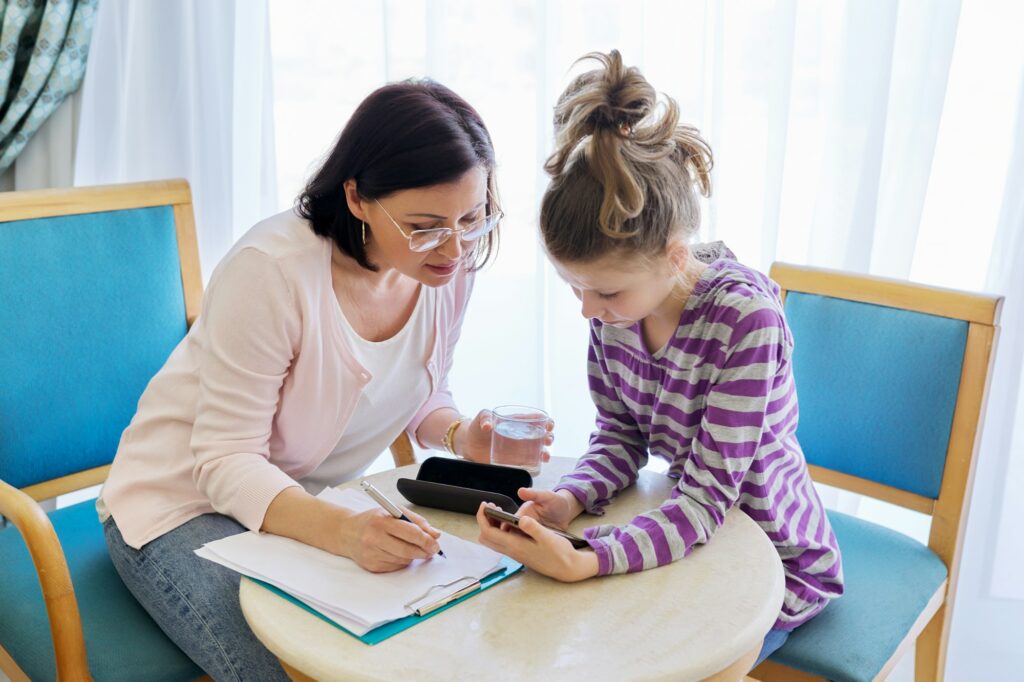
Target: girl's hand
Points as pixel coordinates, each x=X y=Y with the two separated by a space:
x=381 y=543
x=473 y=438
x=538 y=548
x=554 y=509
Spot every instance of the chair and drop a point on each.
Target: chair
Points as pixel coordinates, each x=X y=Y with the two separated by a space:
x=98 y=286
x=891 y=378
x=401 y=450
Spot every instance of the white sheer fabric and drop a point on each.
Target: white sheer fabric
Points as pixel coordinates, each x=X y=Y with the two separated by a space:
x=48 y=160
x=182 y=89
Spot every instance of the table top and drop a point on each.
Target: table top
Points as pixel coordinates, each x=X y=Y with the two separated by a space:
x=687 y=620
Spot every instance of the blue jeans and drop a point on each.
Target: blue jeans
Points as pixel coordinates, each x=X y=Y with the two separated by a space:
x=194 y=601
x=772 y=642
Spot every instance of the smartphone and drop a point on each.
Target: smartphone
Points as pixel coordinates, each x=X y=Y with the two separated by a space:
x=512 y=519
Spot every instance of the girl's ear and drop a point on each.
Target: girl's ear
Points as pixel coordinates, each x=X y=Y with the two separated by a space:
x=678 y=255
x=354 y=201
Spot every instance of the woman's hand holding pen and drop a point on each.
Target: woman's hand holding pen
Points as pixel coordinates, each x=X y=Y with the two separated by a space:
x=538 y=548
x=473 y=438
x=556 y=509
x=380 y=543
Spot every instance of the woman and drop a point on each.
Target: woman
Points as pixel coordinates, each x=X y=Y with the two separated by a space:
x=325 y=331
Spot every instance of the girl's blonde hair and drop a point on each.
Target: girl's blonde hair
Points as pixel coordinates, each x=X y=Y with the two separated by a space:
x=624 y=171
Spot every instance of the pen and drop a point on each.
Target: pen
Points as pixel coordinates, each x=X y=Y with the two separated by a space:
x=389 y=506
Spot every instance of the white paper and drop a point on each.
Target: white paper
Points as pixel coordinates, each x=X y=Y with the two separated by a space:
x=337 y=587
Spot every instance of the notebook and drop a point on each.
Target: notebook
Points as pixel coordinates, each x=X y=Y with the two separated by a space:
x=358 y=601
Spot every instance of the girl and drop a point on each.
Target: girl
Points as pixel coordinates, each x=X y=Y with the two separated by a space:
x=689 y=358
x=325 y=331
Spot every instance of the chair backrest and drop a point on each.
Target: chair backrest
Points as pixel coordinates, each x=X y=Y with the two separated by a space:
x=891 y=378
x=98 y=285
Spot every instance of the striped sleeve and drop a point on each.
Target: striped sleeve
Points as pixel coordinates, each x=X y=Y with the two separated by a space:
x=617 y=448
x=734 y=427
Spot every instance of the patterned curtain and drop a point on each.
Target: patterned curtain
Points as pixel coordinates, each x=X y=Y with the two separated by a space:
x=44 y=46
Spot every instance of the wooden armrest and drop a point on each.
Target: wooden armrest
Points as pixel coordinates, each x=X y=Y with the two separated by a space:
x=54 y=579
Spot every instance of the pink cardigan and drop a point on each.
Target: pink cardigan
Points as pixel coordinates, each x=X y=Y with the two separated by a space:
x=260 y=390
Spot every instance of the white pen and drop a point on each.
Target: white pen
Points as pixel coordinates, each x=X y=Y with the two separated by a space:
x=389 y=506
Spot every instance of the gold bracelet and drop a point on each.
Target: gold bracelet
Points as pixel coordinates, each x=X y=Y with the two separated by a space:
x=449 y=437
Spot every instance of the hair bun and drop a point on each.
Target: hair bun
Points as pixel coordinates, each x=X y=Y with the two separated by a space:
x=612 y=98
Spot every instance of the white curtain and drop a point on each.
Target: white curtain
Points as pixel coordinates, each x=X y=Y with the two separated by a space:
x=182 y=90
x=48 y=160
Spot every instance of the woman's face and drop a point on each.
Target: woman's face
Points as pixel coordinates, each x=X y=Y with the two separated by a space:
x=456 y=204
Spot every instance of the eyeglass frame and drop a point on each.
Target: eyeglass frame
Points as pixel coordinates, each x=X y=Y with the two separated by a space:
x=497 y=215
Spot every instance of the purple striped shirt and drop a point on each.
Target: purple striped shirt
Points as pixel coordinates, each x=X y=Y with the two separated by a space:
x=717 y=403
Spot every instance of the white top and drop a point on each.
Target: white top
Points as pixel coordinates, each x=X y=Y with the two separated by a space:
x=398 y=385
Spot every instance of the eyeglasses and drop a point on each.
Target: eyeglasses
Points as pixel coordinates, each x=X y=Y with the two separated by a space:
x=431 y=238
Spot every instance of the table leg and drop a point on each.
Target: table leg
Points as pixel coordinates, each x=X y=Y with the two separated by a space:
x=739 y=669
x=296 y=675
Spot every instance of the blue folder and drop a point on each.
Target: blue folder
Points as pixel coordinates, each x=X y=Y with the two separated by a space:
x=380 y=633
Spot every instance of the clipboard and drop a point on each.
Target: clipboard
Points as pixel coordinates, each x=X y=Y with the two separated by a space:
x=379 y=634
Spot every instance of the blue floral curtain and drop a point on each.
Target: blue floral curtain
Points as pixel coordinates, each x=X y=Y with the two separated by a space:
x=44 y=45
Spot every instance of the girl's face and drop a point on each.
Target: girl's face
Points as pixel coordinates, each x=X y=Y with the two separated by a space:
x=456 y=204
x=620 y=290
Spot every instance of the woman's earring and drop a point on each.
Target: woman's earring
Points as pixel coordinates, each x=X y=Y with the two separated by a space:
x=364 y=233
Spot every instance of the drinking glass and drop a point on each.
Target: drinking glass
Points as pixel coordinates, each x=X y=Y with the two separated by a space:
x=518 y=437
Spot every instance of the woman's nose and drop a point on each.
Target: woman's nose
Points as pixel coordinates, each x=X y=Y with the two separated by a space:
x=452 y=248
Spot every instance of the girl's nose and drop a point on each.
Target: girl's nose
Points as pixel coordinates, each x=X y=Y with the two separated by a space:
x=591 y=306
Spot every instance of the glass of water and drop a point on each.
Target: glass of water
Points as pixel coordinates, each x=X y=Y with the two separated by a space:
x=518 y=437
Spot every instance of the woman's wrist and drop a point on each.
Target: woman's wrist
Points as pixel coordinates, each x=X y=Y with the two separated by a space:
x=296 y=514
x=340 y=535
x=454 y=438
x=459 y=439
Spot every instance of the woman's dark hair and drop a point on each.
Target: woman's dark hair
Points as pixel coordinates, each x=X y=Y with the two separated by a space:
x=624 y=173
x=405 y=135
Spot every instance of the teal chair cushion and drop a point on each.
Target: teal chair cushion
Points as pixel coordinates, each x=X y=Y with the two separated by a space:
x=889 y=580
x=122 y=641
x=877 y=388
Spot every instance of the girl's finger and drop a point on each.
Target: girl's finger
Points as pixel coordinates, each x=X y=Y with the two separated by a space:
x=531 y=527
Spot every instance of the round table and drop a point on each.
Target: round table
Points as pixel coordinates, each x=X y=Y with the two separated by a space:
x=685 y=621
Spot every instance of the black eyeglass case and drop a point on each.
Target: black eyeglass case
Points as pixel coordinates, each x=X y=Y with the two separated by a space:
x=460 y=486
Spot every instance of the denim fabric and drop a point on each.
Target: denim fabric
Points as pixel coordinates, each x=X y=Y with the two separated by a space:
x=194 y=601
x=772 y=641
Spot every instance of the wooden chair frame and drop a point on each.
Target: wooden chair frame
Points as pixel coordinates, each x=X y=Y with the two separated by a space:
x=930 y=633
x=21 y=505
